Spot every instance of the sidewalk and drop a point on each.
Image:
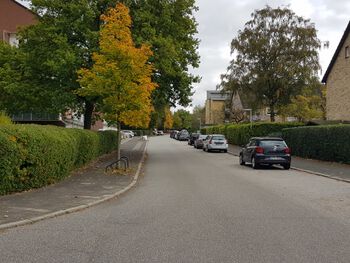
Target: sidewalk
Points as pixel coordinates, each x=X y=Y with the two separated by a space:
x=335 y=171
x=85 y=187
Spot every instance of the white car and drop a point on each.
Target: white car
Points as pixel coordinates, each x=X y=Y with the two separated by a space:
x=128 y=134
x=215 y=142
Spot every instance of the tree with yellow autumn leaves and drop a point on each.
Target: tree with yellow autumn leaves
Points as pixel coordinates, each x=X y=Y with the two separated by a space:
x=120 y=78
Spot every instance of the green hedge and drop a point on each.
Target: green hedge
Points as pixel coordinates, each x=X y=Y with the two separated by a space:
x=328 y=143
x=33 y=156
x=239 y=134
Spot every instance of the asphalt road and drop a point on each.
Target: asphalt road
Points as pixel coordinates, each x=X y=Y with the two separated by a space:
x=192 y=206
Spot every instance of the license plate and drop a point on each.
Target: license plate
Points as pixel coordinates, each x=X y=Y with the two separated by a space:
x=219 y=143
x=275 y=158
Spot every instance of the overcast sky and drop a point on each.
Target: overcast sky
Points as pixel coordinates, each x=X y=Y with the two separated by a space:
x=220 y=20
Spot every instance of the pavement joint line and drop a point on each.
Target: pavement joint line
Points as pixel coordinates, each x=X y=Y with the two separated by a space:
x=311 y=172
x=80 y=207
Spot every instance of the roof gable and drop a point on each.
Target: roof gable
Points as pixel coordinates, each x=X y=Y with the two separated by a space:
x=336 y=54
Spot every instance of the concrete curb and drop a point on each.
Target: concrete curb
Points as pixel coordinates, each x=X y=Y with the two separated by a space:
x=80 y=207
x=311 y=172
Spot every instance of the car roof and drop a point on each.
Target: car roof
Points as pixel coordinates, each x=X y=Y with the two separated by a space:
x=267 y=138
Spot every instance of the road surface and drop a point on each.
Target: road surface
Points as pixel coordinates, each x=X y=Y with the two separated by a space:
x=193 y=206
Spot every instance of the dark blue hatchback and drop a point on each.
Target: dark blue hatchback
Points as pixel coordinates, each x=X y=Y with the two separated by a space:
x=266 y=151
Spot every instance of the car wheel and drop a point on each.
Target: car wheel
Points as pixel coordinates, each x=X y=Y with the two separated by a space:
x=225 y=151
x=241 y=162
x=254 y=164
x=203 y=148
x=286 y=166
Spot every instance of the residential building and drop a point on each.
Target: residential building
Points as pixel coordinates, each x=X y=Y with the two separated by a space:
x=215 y=106
x=12 y=16
x=337 y=80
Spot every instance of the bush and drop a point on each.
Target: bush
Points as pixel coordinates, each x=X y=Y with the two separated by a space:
x=4 y=119
x=240 y=134
x=328 y=143
x=33 y=156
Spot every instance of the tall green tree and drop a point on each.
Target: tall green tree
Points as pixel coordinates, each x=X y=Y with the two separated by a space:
x=66 y=36
x=182 y=119
x=198 y=117
x=276 y=56
x=309 y=104
x=60 y=43
x=170 y=28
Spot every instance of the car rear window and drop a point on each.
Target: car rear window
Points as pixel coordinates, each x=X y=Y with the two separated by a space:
x=218 y=138
x=202 y=136
x=271 y=143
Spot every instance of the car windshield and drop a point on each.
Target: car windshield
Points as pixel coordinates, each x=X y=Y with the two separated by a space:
x=202 y=136
x=271 y=143
x=218 y=138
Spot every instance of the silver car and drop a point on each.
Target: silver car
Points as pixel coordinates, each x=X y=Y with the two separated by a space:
x=215 y=142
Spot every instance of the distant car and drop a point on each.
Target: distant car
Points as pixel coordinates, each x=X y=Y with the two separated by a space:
x=198 y=143
x=215 y=142
x=128 y=133
x=160 y=133
x=183 y=135
x=173 y=133
x=266 y=151
x=193 y=137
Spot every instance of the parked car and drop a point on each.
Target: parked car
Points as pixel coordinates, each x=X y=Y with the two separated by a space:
x=128 y=133
x=173 y=133
x=198 y=143
x=183 y=135
x=160 y=133
x=193 y=137
x=215 y=142
x=266 y=151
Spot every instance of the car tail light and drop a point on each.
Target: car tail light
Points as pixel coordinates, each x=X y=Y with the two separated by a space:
x=287 y=150
x=259 y=149
x=210 y=141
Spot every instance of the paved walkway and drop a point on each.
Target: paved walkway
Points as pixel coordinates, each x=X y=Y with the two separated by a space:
x=86 y=185
x=327 y=169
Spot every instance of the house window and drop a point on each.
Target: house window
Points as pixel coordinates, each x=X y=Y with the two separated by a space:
x=347 y=52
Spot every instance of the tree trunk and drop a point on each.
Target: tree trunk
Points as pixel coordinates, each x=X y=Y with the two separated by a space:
x=89 y=109
x=272 y=113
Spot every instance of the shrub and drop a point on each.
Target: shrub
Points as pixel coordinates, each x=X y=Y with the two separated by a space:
x=328 y=143
x=4 y=119
x=32 y=156
x=241 y=133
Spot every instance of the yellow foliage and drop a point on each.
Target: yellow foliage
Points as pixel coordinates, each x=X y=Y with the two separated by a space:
x=169 y=120
x=121 y=74
x=4 y=119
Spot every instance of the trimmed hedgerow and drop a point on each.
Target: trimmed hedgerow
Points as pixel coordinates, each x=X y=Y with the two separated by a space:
x=239 y=134
x=328 y=143
x=33 y=156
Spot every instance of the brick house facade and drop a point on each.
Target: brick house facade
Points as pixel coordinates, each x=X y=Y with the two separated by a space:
x=12 y=16
x=337 y=80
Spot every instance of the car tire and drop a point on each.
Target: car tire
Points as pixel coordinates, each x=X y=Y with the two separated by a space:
x=241 y=162
x=254 y=164
x=286 y=166
x=225 y=151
